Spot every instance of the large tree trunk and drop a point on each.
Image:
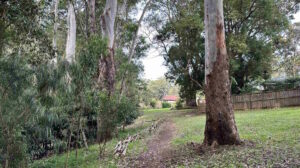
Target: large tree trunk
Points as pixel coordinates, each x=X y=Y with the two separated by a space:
x=107 y=70
x=220 y=126
x=92 y=18
x=71 y=38
x=56 y=2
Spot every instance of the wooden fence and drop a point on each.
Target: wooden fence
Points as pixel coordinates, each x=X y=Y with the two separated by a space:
x=263 y=100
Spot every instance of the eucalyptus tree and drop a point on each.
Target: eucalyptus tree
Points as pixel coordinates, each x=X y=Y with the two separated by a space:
x=55 y=27
x=71 y=36
x=107 y=70
x=220 y=127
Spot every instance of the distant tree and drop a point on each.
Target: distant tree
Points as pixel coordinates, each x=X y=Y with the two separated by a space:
x=185 y=56
x=220 y=128
x=159 y=88
x=288 y=54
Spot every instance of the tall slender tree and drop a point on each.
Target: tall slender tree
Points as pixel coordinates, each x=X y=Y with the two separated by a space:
x=55 y=27
x=220 y=126
x=92 y=17
x=133 y=43
x=71 y=37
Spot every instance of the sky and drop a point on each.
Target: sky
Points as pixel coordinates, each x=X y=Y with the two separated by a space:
x=153 y=62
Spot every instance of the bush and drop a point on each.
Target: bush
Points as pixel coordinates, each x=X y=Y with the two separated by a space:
x=127 y=111
x=277 y=85
x=166 y=105
x=153 y=103
x=179 y=104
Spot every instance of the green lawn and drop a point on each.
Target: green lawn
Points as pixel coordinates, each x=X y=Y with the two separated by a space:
x=280 y=126
x=274 y=136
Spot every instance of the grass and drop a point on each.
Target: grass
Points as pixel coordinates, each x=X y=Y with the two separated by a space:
x=280 y=126
x=275 y=134
x=88 y=158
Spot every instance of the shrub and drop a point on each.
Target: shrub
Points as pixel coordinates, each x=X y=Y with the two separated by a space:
x=153 y=103
x=166 y=105
x=287 y=84
x=179 y=104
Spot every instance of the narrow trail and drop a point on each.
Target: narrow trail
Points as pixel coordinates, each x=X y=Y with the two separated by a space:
x=159 y=148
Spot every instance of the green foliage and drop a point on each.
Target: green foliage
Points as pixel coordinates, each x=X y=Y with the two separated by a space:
x=159 y=88
x=252 y=31
x=185 y=59
x=153 y=103
x=179 y=104
x=127 y=111
x=277 y=85
x=23 y=30
x=18 y=103
x=166 y=105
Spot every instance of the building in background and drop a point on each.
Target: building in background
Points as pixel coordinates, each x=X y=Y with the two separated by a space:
x=170 y=99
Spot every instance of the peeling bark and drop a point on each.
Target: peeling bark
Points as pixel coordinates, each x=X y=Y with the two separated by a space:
x=220 y=126
x=107 y=71
x=71 y=37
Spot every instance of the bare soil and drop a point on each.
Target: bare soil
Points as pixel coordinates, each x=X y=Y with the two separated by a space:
x=159 y=148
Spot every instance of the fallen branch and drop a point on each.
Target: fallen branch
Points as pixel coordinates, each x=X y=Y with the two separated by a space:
x=121 y=147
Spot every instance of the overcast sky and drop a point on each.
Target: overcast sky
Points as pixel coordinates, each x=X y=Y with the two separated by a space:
x=153 y=63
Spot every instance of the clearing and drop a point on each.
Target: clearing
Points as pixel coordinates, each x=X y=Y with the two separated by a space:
x=272 y=140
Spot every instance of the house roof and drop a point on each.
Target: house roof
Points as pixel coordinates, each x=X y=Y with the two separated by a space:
x=170 y=98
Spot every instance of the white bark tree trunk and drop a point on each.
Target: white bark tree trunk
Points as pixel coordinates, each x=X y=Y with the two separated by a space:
x=108 y=21
x=56 y=2
x=107 y=72
x=71 y=37
x=92 y=18
x=220 y=128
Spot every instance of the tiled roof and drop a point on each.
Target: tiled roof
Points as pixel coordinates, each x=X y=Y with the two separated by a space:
x=170 y=98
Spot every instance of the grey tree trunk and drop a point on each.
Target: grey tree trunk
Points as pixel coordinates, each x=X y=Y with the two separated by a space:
x=107 y=72
x=71 y=37
x=220 y=126
x=56 y=2
x=92 y=18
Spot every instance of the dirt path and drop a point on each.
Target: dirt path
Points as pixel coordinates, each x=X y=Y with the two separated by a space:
x=158 y=148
